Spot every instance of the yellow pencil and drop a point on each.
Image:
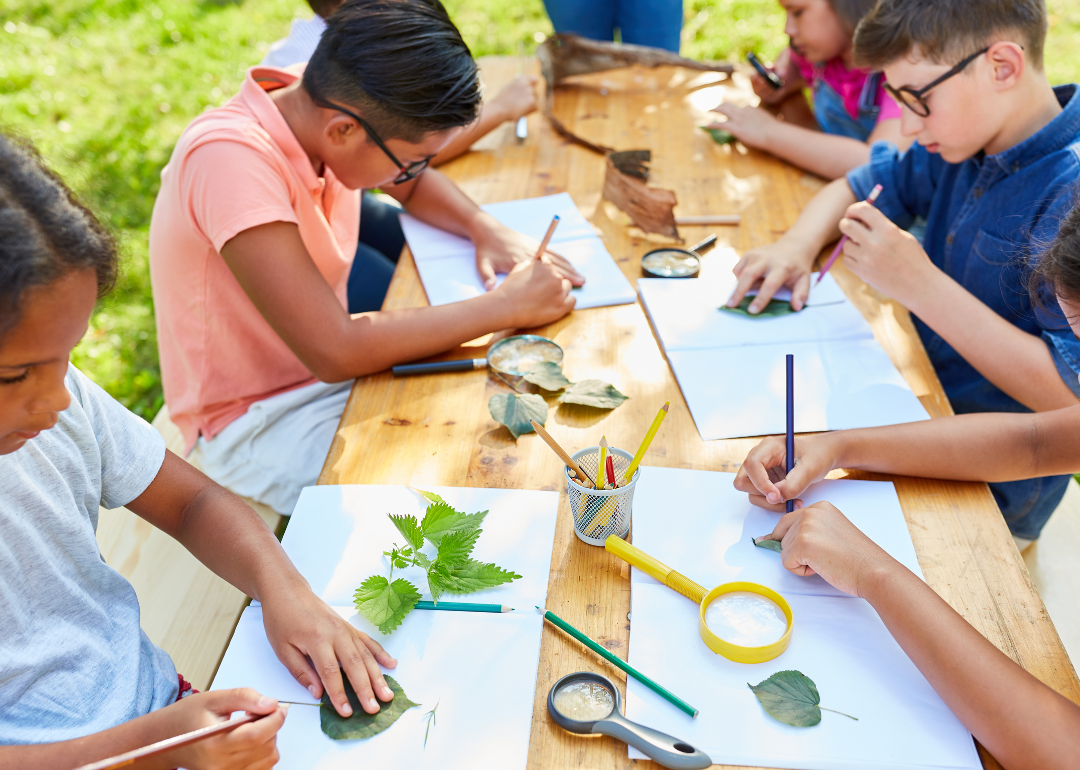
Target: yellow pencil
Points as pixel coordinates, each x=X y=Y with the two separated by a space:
x=601 y=482
x=645 y=443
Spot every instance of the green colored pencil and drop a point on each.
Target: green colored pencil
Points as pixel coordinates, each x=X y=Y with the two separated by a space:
x=616 y=661
x=463 y=607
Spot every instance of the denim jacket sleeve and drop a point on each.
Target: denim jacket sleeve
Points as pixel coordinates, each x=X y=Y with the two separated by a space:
x=1056 y=333
x=907 y=179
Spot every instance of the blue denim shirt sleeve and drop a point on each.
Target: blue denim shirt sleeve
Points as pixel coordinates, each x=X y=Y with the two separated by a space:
x=1056 y=333
x=907 y=181
x=1065 y=350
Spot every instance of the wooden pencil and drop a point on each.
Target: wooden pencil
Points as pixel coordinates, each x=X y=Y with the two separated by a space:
x=582 y=478
x=640 y=454
x=547 y=236
x=710 y=219
x=121 y=760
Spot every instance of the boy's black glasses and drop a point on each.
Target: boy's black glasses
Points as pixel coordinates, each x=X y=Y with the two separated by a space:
x=915 y=100
x=409 y=172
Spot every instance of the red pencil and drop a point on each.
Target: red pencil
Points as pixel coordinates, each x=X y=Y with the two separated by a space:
x=611 y=471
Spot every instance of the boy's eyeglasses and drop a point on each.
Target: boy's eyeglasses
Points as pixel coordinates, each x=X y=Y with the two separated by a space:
x=915 y=100
x=409 y=172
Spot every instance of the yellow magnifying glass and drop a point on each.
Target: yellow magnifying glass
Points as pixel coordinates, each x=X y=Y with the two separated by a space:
x=731 y=650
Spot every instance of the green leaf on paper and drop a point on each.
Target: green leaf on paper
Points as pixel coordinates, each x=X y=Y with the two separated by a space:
x=454 y=549
x=441 y=520
x=719 y=135
x=549 y=376
x=410 y=528
x=595 y=393
x=431 y=496
x=515 y=410
x=472 y=576
x=791 y=697
x=384 y=603
x=450 y=570
x=769 y=545
x=776 y=307
x=362 y=724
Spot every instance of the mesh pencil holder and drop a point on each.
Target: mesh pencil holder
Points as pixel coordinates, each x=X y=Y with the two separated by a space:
x=601 y=512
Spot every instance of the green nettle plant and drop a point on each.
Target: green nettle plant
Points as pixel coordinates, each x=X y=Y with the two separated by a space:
x=450 y=569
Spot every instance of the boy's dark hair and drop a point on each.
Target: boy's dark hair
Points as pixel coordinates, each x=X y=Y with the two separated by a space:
x=946 y=31
x=45 y=232
x=401 y=63
x=1056 y=272
x=851 y=12
x=324 y=8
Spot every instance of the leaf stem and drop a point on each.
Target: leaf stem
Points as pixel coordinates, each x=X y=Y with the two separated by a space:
x=297 y=703
x=841 y=713
x=505 y=381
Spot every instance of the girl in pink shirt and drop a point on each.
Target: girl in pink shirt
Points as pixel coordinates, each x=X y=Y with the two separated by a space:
x=850 y=109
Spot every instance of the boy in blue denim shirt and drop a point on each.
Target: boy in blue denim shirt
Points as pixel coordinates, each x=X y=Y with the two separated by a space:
x=993 y=172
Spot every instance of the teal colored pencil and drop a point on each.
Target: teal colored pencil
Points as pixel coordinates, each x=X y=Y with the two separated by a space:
x=463 y=607
x=620 y=663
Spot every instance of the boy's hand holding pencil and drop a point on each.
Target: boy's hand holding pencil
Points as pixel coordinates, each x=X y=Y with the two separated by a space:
x=763 y=478
x=499 y=249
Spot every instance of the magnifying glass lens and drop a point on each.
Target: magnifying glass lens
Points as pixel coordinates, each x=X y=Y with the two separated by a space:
x=746 y=619
x=671 y=264
x=584 y=701
x=519 y=355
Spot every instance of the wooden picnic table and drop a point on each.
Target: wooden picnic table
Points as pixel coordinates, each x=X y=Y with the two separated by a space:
x=437 y=430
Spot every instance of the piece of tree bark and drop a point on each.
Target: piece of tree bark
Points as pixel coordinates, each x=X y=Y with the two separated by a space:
x=651 y=208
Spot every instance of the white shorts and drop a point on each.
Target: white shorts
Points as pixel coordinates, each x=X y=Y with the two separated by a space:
x=278 y=446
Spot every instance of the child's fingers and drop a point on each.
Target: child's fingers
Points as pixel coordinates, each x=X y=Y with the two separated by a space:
x=487 y=272
x=363 y=670
x=748 y=276
x=246 y=737
x=773 y=282
x=761 y=502
x=382 y=656
x=800 y=292
x=326 y=664
x=225 y=702
x=301 y=669
x=797 y=480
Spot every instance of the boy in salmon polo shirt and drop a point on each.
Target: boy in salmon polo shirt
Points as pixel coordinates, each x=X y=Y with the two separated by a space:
x=255 y=229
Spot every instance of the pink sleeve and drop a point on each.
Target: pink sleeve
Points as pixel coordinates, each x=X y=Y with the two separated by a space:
x=229 y=187
x=889 y=109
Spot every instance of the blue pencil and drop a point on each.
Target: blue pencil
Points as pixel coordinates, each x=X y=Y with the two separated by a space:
x=790 y=421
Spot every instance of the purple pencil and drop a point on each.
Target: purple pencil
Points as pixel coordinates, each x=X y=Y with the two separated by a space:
x=871 y=199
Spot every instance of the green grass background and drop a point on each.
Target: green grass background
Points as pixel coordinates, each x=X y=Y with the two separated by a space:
x=104 y=88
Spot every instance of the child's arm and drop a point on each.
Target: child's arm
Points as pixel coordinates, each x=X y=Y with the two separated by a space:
x=433 y=198
x=788 y=261
x=894 y=262
x=1021 y=721
x=274 y=268
x=514 y=101
x=968 y=447
x=230 y=538
x=248 y=746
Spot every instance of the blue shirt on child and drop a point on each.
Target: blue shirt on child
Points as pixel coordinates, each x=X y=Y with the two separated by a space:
x=985 y=218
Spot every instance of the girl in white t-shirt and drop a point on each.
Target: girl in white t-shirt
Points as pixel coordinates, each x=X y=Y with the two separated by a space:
x=79 y=680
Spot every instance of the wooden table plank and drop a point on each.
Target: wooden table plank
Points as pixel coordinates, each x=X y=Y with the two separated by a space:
x=436 y=429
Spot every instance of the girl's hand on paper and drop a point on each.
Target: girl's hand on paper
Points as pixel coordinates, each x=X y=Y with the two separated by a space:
x=499 y=249
x=753 y=126
x=763 y=478
x=311 y=640
x=536 y=293
x=819 y=540
x=253 y=745
x=891 y=260
x=770 y=268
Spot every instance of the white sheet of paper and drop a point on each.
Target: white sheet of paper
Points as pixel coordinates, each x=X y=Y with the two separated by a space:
x=687 y=316
x=337 y=536
x=447 y=262
x=479 y=668
x=840 y=643
x=722 y=522
x=741 y=391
